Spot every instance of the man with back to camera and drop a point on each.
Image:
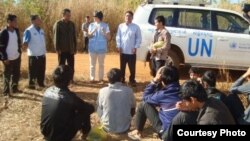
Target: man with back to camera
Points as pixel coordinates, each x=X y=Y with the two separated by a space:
x=63 y=113
x=128 y=39
x=10 y=54
x=34 y=40
x=116 y=104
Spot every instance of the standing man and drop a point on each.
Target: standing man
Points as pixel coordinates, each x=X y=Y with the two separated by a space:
x=10 y=54
x=85 y=27
x=99 y=34
x=161 y=53
x=35 y=41
x=128 y=39
x=65 y=40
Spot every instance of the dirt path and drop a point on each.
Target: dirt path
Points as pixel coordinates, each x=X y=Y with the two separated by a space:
x=20 y=117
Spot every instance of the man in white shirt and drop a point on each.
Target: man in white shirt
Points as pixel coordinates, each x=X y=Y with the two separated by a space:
x=85 y=27
x=10 y=54
x=116 y=104
x=35 y=41
x=128 y=39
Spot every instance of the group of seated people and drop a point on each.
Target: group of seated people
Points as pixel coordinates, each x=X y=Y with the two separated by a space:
x=165 y=103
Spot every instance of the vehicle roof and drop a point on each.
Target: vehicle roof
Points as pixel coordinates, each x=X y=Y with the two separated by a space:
x=189 y=7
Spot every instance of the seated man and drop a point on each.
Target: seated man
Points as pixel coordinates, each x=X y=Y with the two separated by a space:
x=63 y=113
x=165 y=98
x=239 y=87
x=232 y=101
x=197 y=108
x=116 y=104
x=211 y=110
x=195 y=74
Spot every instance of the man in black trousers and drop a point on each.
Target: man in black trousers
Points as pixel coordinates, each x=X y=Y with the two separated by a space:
x=65 y=40
x=10 y=54
x=35 y=41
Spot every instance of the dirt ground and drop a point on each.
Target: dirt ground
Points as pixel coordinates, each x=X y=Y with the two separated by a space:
x=20 y=114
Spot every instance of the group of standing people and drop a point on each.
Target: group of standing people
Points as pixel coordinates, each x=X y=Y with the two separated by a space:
x=63 y=113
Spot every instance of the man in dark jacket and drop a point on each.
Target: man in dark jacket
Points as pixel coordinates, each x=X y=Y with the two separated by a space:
x=165 y=99
x=10 y=54
x=63 y=113
x=232 y=101
x=211 y=110
x=65 y=40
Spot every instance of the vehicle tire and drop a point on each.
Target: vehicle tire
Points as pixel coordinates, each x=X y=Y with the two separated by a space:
x=173 y=59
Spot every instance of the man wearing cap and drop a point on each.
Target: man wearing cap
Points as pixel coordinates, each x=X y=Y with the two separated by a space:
x=34 y=40
x=128 y=39
x=65 y=40
x=98 y=34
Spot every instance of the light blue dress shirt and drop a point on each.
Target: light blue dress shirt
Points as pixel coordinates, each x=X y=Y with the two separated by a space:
x=128 y=37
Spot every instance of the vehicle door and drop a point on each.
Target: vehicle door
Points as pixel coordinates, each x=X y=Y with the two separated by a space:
x=199 y=42
x=233 y=40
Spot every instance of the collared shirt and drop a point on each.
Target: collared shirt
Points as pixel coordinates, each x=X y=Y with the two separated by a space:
x=12 y=47
x=65 y=36
x=162 y=52
x=114 y=106
x=98 y=42
x=35 y=39
x=85 y=27
x=128 y=37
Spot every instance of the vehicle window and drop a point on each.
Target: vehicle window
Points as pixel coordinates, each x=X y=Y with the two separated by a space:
x=195 y=19
x=167 y=13
x=228 y=22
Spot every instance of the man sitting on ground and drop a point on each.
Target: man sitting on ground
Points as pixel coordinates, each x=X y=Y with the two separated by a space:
x=165 y=98
x=63 y=113
x=116 y=104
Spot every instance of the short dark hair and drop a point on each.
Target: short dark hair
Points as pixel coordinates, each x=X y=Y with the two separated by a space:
x=210 y=78
x=160 y=19
x=62 y=76
x=87 y=17
x=11 y=17
x=194 y=70
x=130 y=13
x=33 y=17
x=192 y=88
x=114 y=75
x=98 y=14
x=169 y=74
x=66 y=10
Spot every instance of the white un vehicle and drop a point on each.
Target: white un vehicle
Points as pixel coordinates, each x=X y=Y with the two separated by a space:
x=201 y=36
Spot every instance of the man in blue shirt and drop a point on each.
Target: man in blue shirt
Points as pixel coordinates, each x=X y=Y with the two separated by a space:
x=98 y=34
x=35 y=41
x=165 y=98
x=242 y=86
x=128 y=39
